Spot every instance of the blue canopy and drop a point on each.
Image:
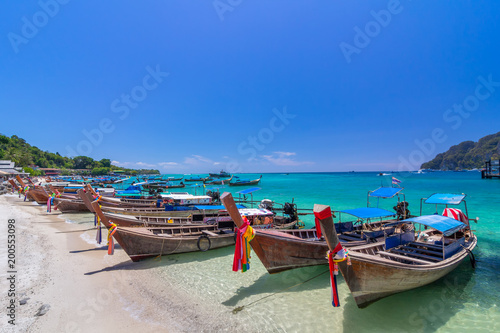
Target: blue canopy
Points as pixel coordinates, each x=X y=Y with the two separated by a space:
x=385 y=192
x=368 y=212
x=445 y=199
x=249 y=190
x=446 y=225
x=220 y=207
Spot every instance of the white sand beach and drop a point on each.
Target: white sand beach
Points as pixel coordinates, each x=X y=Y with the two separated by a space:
x=85 y=289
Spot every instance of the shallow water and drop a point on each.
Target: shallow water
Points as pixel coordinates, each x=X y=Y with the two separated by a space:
x=464 y=300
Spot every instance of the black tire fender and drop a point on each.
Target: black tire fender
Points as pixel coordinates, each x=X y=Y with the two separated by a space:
x=209 y=243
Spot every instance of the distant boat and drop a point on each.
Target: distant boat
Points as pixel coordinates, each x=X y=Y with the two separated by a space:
x=245 y=182
x=218 y=182
x=221 y=174
x=195 y=179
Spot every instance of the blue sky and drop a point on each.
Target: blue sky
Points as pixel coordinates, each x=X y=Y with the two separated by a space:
x=250 y=86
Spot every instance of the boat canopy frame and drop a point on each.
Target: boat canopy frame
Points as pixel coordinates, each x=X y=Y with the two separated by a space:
x=247 y=191
x=445 y=199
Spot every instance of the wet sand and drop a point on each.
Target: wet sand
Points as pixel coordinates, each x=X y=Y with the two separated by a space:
x=88 y=290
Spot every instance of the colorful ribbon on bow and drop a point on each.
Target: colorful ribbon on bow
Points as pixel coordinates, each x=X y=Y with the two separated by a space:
x=50 y=202
x=242 y=249
x=338 y=254
x=25 y=191
x=111 y=244
x=333 y=259
x=98 y=236
x=318 y=227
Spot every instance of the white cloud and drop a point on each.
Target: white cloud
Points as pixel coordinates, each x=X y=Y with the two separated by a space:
x=284 y=153
x=284 y=159
x=142 y=164
x=165 y=164
x=197 y=160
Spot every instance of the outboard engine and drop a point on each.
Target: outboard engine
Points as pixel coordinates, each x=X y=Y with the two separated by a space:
x=402 y=210
x=266 y=204
x=215 y=195
x=290 y=209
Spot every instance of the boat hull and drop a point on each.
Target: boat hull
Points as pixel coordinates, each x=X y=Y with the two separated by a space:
x=140 y=243
x=280 y=251
x=66 y=206
x=372 y=278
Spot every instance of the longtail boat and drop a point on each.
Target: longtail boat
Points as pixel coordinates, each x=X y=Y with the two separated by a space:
x=195 y=179
x=146 y=242
x=403 y=261
x=172 y=179
x=245 y=182
x=70 y=205
x=221 y=174
x=218 y=181
x=288 y=249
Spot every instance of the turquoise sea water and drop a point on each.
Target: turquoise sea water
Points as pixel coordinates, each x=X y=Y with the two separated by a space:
x=464 y=300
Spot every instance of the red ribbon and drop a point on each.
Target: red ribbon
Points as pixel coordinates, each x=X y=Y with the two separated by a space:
x=318 y=227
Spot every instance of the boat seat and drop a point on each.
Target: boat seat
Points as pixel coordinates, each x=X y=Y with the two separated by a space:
x=418 y=255
x=430 y=246
x=209 y=233
x=397 y=256
x=349 y=238
x=429 y=251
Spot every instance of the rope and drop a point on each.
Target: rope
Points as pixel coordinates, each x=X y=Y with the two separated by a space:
x=239 y=308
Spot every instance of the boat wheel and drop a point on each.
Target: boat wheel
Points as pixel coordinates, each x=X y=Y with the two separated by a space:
x=204 y=243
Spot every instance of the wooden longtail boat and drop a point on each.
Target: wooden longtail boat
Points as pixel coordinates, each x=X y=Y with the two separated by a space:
x=221 y=174
x=14 y=185
x=39 y=194
x=69 y=205
x=142 y=243
x=195 y=179
x=162 y=185
x=245 y=182
x=218 y=181
x=402 y=262
x=173 y=179
x=288 y=249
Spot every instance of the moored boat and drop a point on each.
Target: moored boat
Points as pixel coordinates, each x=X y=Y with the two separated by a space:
x=403 y=261
x=245 y=182
x=144 y=242
x=221 y=174
x=288 y=249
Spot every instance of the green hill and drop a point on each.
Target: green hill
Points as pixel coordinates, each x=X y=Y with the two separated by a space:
x=467 y=155
x=25 y=155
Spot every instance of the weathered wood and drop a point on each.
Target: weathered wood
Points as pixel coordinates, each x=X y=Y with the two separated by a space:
x=23 y=185
x=327 y=226
x=397 y=256
x=228 y=202
x=86 y=200
x=207 y=232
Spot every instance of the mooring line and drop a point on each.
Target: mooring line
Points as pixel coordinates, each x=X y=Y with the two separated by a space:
x=239 y=308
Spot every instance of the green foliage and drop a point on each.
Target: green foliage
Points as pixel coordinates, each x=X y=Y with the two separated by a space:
x=100 y=171
x=105 y=162
x=33 y=172
x=83 y=162
x=467 y=155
